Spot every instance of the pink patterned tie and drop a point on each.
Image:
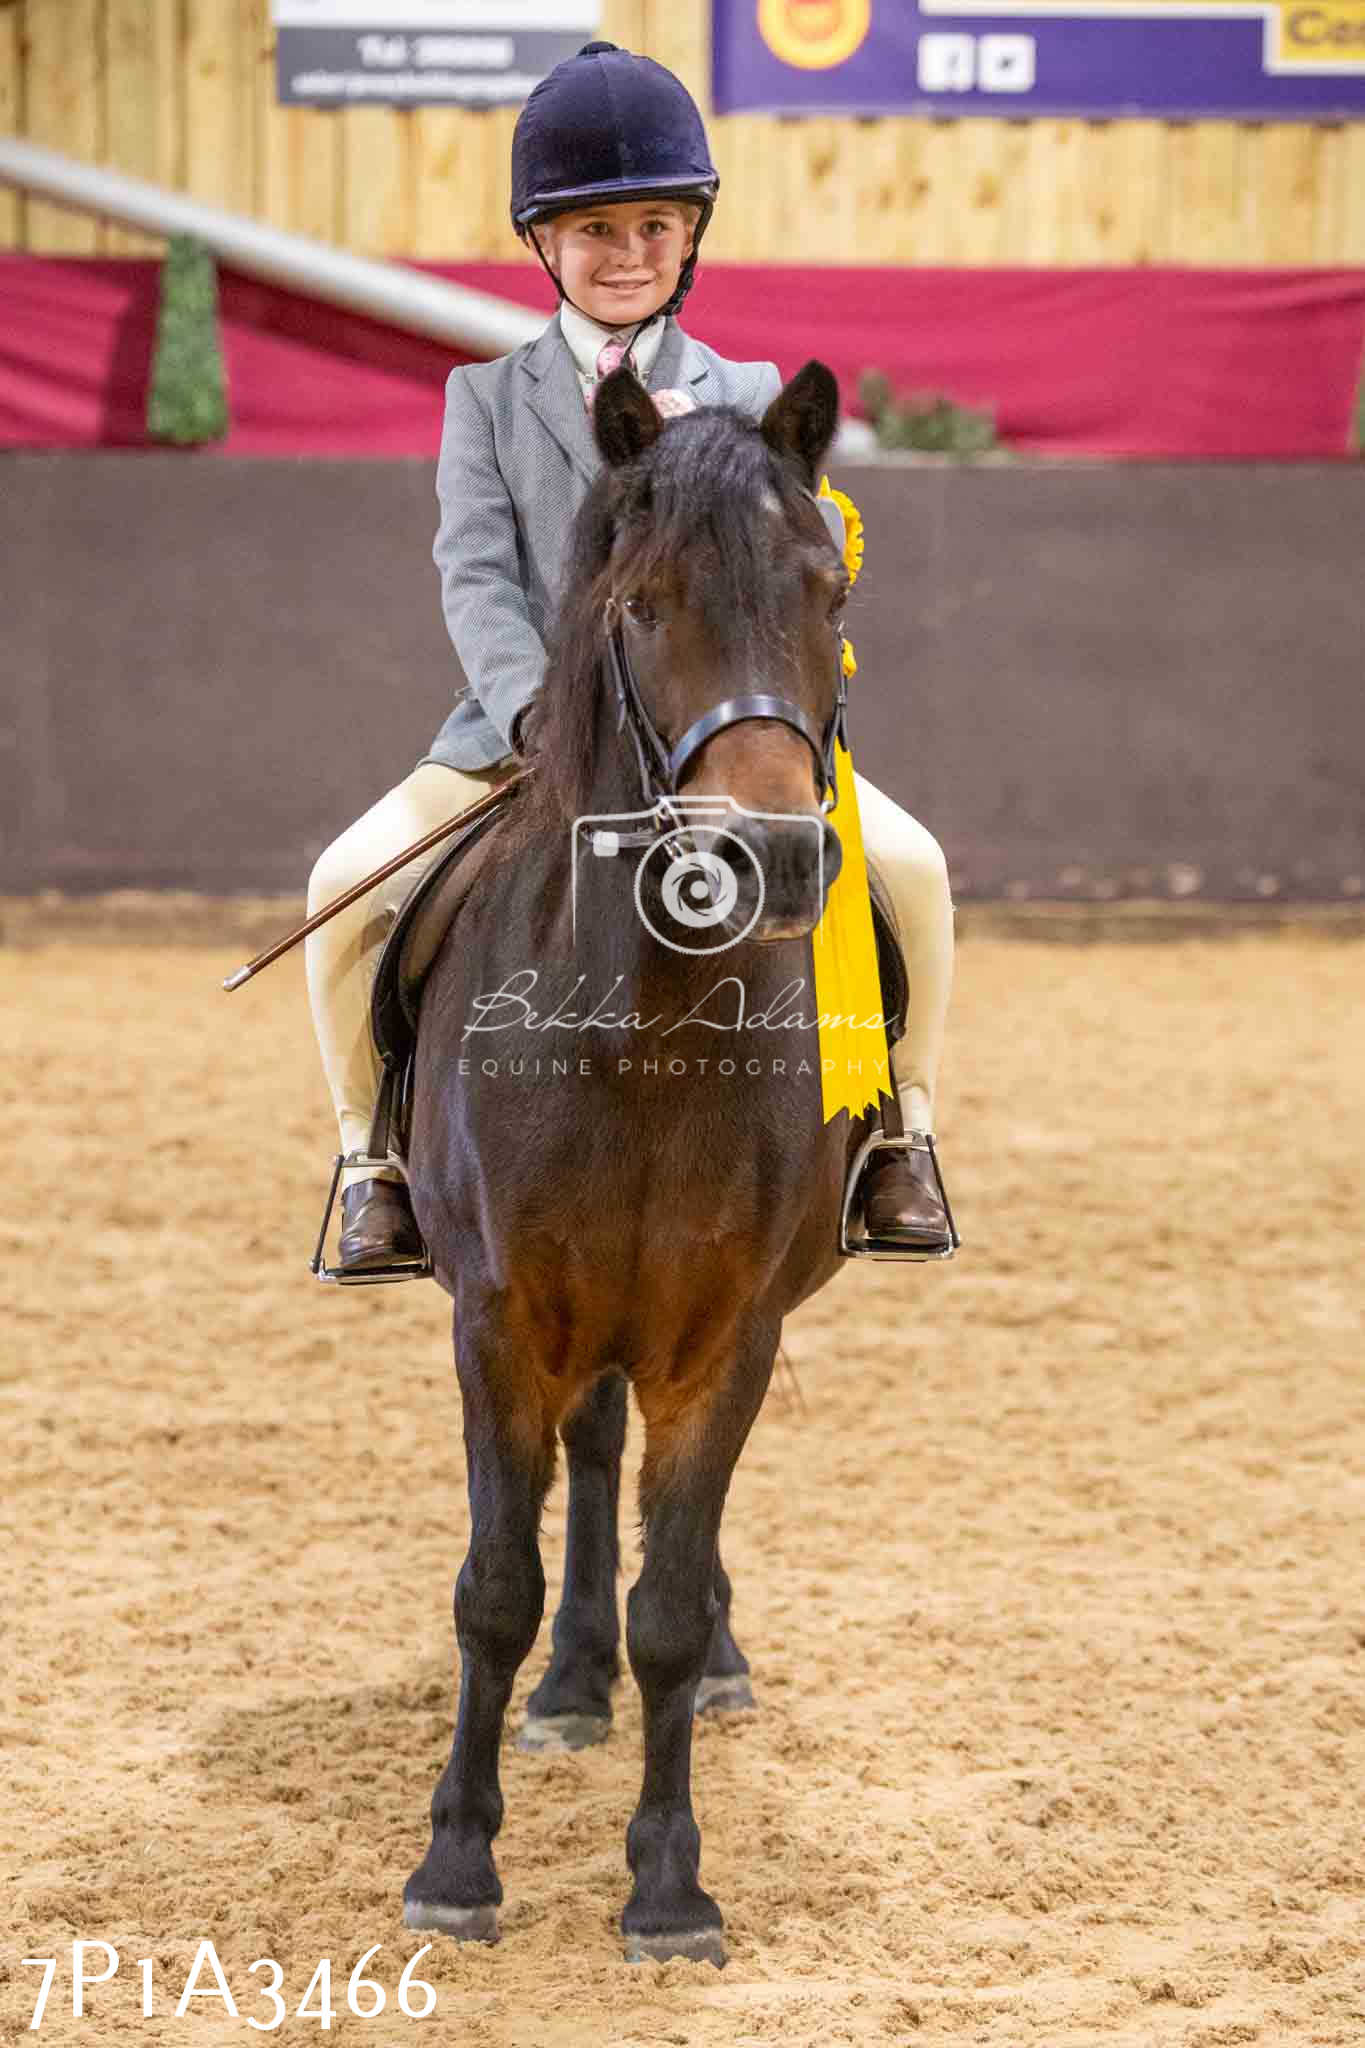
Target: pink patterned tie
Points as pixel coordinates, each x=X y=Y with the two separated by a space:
x=670 y=405
x=610 y=357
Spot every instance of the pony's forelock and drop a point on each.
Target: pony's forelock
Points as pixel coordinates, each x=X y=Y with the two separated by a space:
x=699 y=491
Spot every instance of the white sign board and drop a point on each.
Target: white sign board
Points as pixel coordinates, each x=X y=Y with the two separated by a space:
x=413 y=53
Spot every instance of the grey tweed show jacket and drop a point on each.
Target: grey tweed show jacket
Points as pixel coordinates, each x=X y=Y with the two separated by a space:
x=517 y=458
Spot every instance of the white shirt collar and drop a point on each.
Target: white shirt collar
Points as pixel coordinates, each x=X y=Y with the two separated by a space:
x=585 y=338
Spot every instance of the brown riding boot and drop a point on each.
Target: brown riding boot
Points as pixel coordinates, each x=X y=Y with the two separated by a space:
x=901 y=1200
x=378 y=1227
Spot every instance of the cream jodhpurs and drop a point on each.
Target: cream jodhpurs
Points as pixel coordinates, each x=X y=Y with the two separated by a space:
x=341 y=958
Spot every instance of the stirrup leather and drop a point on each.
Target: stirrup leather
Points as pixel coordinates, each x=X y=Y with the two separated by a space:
x=401 y=1269
x=854 y=1239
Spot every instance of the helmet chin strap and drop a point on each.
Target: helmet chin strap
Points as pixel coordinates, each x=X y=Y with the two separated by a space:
x=555 y=281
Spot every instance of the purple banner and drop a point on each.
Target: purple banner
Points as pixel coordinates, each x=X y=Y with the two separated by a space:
x=1172 y=59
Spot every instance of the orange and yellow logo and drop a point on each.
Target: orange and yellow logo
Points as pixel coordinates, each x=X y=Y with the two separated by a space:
x=814 y=34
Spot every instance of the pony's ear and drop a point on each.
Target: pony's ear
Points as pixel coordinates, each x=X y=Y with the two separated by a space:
x=801 y=420
x=624 y=418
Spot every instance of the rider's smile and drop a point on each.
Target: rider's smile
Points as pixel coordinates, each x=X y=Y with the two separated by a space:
x=651 y=239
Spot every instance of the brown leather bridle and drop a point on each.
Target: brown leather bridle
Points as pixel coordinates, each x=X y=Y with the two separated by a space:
x=662 y=766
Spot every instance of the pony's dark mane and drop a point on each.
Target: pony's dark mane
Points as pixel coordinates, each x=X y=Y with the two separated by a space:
x=695 y=492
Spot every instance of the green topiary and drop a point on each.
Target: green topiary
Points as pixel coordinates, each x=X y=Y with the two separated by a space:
x=926 y=421
x=187 y=402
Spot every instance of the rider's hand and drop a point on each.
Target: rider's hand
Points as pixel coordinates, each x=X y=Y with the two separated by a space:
x=523 y=733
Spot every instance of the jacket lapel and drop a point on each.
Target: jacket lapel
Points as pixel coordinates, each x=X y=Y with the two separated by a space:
x=556 y=398
x=681 y=366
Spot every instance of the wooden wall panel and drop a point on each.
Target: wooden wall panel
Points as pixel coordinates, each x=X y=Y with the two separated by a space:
x=1099 y=193
x=745 y=179
x=926 y=153
x=504 y=246
x=680 y=37
x=454 y=195
x=62 y=89
x=314 y=177
x=144 y=103
x=990 y=171
x=1142 y=201
x=377 y=168
x=182 y=91
x=296 y=181
x=627 y=22
x=271 y=183
x=1294 y=193
x=219 y=105
x=11 y=119
x=1209 y=186
x=461 y=185
x=1351 y=179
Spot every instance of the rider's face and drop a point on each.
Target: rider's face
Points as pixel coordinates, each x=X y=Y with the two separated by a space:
x=619 y=264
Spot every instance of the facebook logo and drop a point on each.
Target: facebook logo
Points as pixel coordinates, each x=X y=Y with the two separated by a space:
x=965 y=63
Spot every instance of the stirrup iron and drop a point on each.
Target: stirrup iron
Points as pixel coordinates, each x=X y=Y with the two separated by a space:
x=855 y=1242
x=401 y=1269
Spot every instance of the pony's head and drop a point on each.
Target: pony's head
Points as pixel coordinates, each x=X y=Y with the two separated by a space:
x=702 y=546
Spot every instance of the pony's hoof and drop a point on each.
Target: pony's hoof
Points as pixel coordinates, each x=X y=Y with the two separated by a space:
x=461 y=1923
x=724 y=1695
x=707 y=1945
x=548 y=1734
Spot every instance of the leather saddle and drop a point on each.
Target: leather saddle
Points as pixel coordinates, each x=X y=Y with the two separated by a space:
x=431 y=907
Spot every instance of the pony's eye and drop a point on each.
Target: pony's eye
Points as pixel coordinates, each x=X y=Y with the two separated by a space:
x=641 y=613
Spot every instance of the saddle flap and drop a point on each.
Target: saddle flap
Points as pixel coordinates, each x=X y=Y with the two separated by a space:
x=424 y=917
x=890 y=960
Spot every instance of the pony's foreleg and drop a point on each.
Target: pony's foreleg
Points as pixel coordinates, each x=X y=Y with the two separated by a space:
x=571 y=1707
x=724 y=1686
x=499 y=1599
x=691 y=1448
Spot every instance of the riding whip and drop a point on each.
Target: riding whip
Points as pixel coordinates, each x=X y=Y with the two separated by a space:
x=391 y=867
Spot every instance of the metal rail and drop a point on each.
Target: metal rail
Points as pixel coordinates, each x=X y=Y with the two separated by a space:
x=471 y=321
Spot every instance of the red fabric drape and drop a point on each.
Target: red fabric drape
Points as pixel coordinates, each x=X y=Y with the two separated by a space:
x=1143 y=363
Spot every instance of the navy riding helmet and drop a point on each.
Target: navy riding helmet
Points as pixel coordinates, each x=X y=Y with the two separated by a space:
x=609 y=126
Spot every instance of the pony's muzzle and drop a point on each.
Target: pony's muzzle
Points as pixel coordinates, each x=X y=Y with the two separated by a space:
x=797 y=859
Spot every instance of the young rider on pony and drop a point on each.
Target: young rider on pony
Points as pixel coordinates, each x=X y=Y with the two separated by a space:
x=613 y=186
